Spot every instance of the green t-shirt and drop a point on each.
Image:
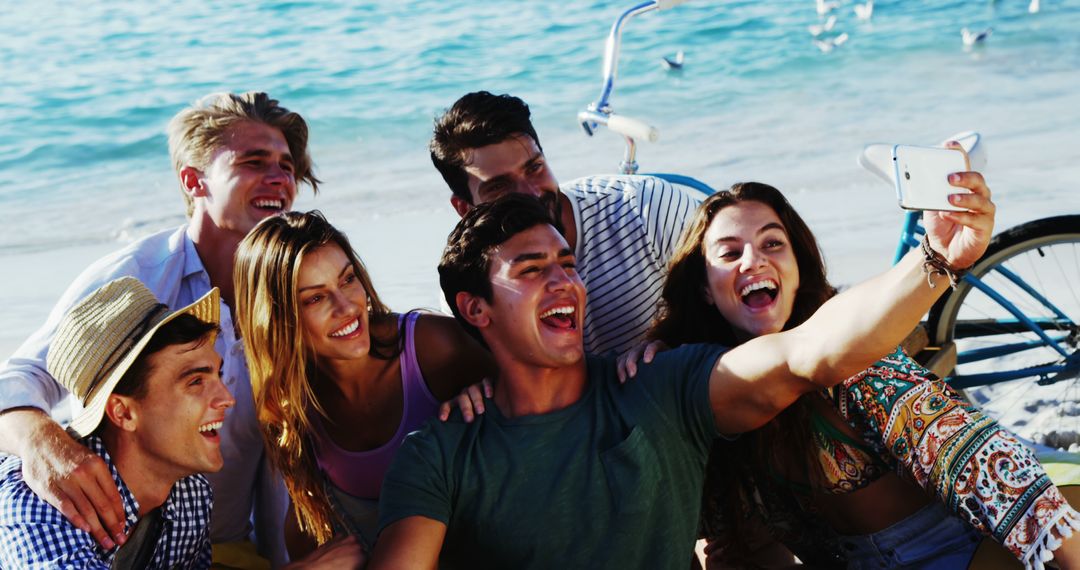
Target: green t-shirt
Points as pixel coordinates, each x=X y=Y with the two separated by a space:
x=613 y=481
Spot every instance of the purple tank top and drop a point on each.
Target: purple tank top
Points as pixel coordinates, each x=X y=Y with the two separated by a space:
x=360 y=473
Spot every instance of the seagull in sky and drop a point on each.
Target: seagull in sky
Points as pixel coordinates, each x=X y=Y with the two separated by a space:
x=865 y=11
x=818 y=29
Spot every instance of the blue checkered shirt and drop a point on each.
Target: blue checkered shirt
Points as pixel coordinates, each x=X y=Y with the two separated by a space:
x=33 y=534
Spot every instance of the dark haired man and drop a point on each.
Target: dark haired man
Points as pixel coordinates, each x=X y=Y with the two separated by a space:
x=569 y=468
x=238 y=158
x=153 y=401
x=622 y=229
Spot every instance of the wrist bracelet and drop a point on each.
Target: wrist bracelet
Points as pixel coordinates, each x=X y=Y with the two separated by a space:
x=935 y=264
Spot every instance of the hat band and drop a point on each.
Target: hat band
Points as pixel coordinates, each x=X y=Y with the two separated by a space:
x=124 y=346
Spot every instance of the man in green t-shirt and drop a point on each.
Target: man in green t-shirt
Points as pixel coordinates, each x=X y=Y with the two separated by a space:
x=568 y=468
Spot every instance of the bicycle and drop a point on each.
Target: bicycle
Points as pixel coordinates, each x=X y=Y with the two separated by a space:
x=1015 y=314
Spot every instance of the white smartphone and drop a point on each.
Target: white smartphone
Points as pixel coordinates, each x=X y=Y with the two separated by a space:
x=922 y=176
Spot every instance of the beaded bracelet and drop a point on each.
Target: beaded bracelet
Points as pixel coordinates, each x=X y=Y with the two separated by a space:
x=935 y=264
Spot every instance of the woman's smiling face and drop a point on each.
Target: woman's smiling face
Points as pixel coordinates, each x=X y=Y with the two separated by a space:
x=333 y=305
x=750 y=268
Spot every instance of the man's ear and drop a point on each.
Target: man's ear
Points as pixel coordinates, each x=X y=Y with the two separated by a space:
x=191 y=179
x=121 y=411
x=473 y=309
x=461 y=205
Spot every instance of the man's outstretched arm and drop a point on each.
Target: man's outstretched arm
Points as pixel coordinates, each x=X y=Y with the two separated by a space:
x=756 y=380
x=410 y=543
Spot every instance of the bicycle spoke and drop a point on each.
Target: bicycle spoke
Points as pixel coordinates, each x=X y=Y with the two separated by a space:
x=1035 y=268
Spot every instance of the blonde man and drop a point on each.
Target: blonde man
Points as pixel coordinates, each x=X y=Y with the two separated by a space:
x=238 y=158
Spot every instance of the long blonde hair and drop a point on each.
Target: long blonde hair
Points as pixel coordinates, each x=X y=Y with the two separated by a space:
x=282 y=367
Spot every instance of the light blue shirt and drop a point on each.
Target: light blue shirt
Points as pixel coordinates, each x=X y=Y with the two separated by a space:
x=168 y=264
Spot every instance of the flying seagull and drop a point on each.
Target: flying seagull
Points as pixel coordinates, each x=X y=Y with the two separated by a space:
x=818 y=29
x=971 y=38
x=674 y=62
x=865 y=11
x=829 y=44
x=826 y=6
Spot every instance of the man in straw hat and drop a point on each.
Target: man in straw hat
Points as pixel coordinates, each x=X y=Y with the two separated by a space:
x=239 y=158
x=153 y=401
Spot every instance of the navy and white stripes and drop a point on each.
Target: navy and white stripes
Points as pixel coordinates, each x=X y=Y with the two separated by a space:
x=627 y=227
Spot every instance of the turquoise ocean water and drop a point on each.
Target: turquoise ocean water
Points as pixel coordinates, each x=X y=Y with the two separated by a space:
x=86 y=90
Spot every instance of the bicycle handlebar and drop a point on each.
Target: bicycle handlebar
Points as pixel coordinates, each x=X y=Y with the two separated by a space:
x=666 y=4
x=633 y=128
x=877 y=158
x=600 y=112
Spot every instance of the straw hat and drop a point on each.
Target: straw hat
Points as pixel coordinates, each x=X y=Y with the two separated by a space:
x=101 y=336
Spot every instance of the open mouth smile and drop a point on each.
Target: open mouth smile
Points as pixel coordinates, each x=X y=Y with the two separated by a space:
x=759 y=294
x=560 y=317
x=347 y=330
x=269 y=204
x=210 y=430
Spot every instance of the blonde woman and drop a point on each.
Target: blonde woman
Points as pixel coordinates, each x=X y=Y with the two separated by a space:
x=338 y=378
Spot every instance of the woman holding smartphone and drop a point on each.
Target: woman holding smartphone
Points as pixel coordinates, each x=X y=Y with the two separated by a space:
x=889 y=469
x=339 y=379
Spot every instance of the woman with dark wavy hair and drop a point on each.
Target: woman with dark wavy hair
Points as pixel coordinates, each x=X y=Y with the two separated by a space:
x=891 y=468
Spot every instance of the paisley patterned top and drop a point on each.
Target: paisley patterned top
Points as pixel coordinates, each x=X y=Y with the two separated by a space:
x=847 y=465
x=920 y=428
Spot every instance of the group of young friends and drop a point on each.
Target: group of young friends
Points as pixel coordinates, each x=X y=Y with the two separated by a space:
x=631 y=370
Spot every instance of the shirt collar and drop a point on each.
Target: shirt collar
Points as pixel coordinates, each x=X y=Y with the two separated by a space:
x=192 y=262
x=131 y=505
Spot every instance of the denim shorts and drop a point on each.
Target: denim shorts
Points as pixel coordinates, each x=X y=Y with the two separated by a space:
x=360 y=516
x=930 y=539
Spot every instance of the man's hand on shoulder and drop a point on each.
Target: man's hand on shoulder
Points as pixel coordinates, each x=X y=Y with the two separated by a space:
x=342 y=552
x=68 y=476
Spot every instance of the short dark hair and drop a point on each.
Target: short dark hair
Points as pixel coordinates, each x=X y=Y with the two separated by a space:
x=476 y=120
x=467 y=258
x=181 y=330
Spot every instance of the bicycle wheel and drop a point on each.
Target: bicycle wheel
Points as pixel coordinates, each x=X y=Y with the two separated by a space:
x=1005 y=366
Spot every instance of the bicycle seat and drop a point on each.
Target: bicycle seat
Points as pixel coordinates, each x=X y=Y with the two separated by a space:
x=877 y=157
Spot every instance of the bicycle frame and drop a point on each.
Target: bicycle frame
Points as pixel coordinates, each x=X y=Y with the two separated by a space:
x=600 y=111
x=909 y=238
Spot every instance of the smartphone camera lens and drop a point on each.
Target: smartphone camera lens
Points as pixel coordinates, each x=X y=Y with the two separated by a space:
x=907 y=175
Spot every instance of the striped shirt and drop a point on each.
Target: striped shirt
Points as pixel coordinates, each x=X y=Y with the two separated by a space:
x=627 y=228
x=33 y=534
